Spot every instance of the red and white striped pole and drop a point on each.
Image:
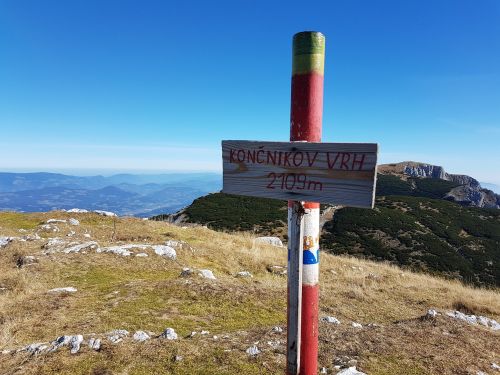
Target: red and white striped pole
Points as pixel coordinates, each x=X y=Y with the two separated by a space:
x=305 y=125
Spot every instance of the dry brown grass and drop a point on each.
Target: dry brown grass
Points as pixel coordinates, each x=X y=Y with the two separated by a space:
x=148 y=294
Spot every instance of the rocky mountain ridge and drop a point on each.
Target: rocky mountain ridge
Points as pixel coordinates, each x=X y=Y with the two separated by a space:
x=469 y=192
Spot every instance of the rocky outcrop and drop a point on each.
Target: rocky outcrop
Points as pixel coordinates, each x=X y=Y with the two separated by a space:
x=469 y=193
x=476 y=197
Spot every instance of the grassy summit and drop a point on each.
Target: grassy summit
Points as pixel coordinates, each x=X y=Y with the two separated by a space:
x=410 y=226
x=148 y=293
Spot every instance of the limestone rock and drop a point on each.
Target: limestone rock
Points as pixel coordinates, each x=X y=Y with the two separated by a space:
x=74 y=343
x=165 y=251
x=253 y=351
x=4 y=241
x=68 y=289
x=473 y=319
x=169 y=334
x=330 y=319
x=54 y=221
x=244 y=274
x=350 y=371
x=95 y=344
x=207 y=274
x=87 y=246
x=105 y=213
x=141 y=336
x=186 y=272
x=60 y=342
x=117 y=335
x=431 y=314
x=274 y=241
x=277 y=270
x=54 y=244
x=49 y=228
x=74 y=221
x=35 y=348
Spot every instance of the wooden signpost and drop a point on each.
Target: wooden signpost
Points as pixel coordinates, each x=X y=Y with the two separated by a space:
x=305 y=172
x=337 y=173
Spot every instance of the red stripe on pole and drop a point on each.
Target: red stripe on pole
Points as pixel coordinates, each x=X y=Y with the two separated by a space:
x=309 y=332
x=307 y=107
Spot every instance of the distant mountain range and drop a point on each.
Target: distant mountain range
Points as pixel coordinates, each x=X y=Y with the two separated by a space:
x=124 y=194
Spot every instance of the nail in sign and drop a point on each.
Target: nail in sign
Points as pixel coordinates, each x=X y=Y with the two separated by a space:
x=335 y=173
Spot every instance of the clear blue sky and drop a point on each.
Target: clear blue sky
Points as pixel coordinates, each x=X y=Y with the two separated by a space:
x=155 y=85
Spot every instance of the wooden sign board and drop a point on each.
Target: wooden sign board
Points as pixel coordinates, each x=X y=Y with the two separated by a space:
x=335 y=173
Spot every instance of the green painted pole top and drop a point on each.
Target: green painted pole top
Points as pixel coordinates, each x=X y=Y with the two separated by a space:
x=308 y=42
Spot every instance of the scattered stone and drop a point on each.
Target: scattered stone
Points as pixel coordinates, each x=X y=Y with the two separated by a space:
x=35 y=348
x=74 y=221
x=165 y=251
x=277 y=270
x=95 y=344
x=122 y=250
x=71 y=234
x=91 y=245
x=186 y=272
x=117 y=335
x=105 y=213
x=68 y=289
x=244 y=274
x=4 y=241
x=274 y=344
x=49 y=228
x=494 y=366
x=6 y=351
x=173 y=243
x=54 y=244
x=350 y=371
x=87 y=235
x=274 y=241
x=207 y=274
x=356 y=325
x=75 y=343
x=141 y=255
x=472 y=319
x=178 y=358
x=330 y=319
x=77 y=211
x=323 y=370
x=204 y=332
x=54 y=221
x=32 y=237
x=26 y=261
x=253 y=351
x=169 y=334
x=59 y=342
x=481 y=373
x=192 y=334
x=141 y=336
x=277 y=329
x=430 y=315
